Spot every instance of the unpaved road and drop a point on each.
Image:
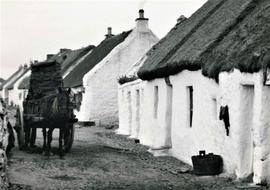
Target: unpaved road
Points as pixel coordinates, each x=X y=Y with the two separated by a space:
x=99 y=159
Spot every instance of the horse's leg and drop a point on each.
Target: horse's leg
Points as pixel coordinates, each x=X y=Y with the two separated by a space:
x=44 y=139
x=27 y=137
x=33 y=137
x=50 y=133
x=61 y=137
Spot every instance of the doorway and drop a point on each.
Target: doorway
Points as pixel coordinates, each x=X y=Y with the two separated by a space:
x=247 y=137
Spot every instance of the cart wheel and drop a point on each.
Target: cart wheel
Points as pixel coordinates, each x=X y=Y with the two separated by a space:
x=69 y=138
x=20 y=129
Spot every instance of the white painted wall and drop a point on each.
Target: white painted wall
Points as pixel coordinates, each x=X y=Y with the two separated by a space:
x=99 y=102
x=130 y=112
x=245 y=150
x=17 y=95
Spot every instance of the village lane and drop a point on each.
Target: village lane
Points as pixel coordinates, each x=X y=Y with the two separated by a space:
x=99 y=159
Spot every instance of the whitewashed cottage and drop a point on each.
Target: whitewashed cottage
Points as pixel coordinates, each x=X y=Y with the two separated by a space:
x=130 y=98
x=214 y=65
x=99 y=103
x=4 y=88
x=16 y=95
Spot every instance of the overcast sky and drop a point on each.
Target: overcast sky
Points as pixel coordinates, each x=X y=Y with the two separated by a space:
x=30 y=29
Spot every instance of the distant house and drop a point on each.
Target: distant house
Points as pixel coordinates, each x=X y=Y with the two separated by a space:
x=4 y=88
x=16 y=95
x=99 y=102
x=1 y=84
x=207 y=87
x=1 y=81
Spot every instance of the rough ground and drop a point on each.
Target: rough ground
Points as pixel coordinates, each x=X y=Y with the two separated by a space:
x=99 y=159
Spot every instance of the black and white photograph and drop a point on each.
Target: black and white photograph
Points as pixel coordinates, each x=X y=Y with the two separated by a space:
x=135 y=95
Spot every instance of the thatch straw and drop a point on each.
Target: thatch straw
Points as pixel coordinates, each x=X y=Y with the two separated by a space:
x=236 y=35
x=124 y=79
x=74 y=79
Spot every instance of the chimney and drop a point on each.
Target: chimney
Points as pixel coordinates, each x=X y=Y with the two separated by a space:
x=49 y=56
x=142 y=22
x=141 y=14
x=109 y=32
x=181 y=19
x=63 y=50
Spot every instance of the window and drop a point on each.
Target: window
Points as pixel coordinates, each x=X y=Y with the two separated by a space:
x=214 y=108
x=156 y=102
x=20 y=96
x=189 y=105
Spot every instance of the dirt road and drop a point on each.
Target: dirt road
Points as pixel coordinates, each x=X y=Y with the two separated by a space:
x=99 y=159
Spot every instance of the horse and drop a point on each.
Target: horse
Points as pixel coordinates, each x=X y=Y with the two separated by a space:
x=62 y=117
x=55 y=112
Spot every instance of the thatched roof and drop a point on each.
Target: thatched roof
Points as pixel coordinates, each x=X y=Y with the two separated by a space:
x=1 y=80
x=131 y=74
x=11 y=85
x=74 y=79
x=69 y=57
x=221 y=35
x=10 y=78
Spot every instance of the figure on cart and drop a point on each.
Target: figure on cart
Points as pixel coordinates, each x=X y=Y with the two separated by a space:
x=47 y=106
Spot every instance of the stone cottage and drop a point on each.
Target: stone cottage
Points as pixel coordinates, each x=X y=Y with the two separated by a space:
x=207 y=87
x=99 y=102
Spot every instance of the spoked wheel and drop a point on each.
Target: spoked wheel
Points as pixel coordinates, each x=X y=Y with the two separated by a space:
x=69 y=137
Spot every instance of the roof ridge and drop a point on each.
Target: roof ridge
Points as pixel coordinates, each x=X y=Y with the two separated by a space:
x=192 y=31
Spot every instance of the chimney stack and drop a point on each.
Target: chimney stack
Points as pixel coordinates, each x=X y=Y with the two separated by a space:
x=142 y=22
x=49 y=56
x=141 y=13
x=181 y=19
x=64 y=50
x=109 y=32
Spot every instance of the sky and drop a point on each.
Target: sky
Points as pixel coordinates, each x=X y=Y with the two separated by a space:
x=30 y=29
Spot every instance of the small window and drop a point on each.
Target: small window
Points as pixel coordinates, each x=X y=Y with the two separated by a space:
x=156 y=102
x=20 y=96
x=214 y=108
x=189 y=105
